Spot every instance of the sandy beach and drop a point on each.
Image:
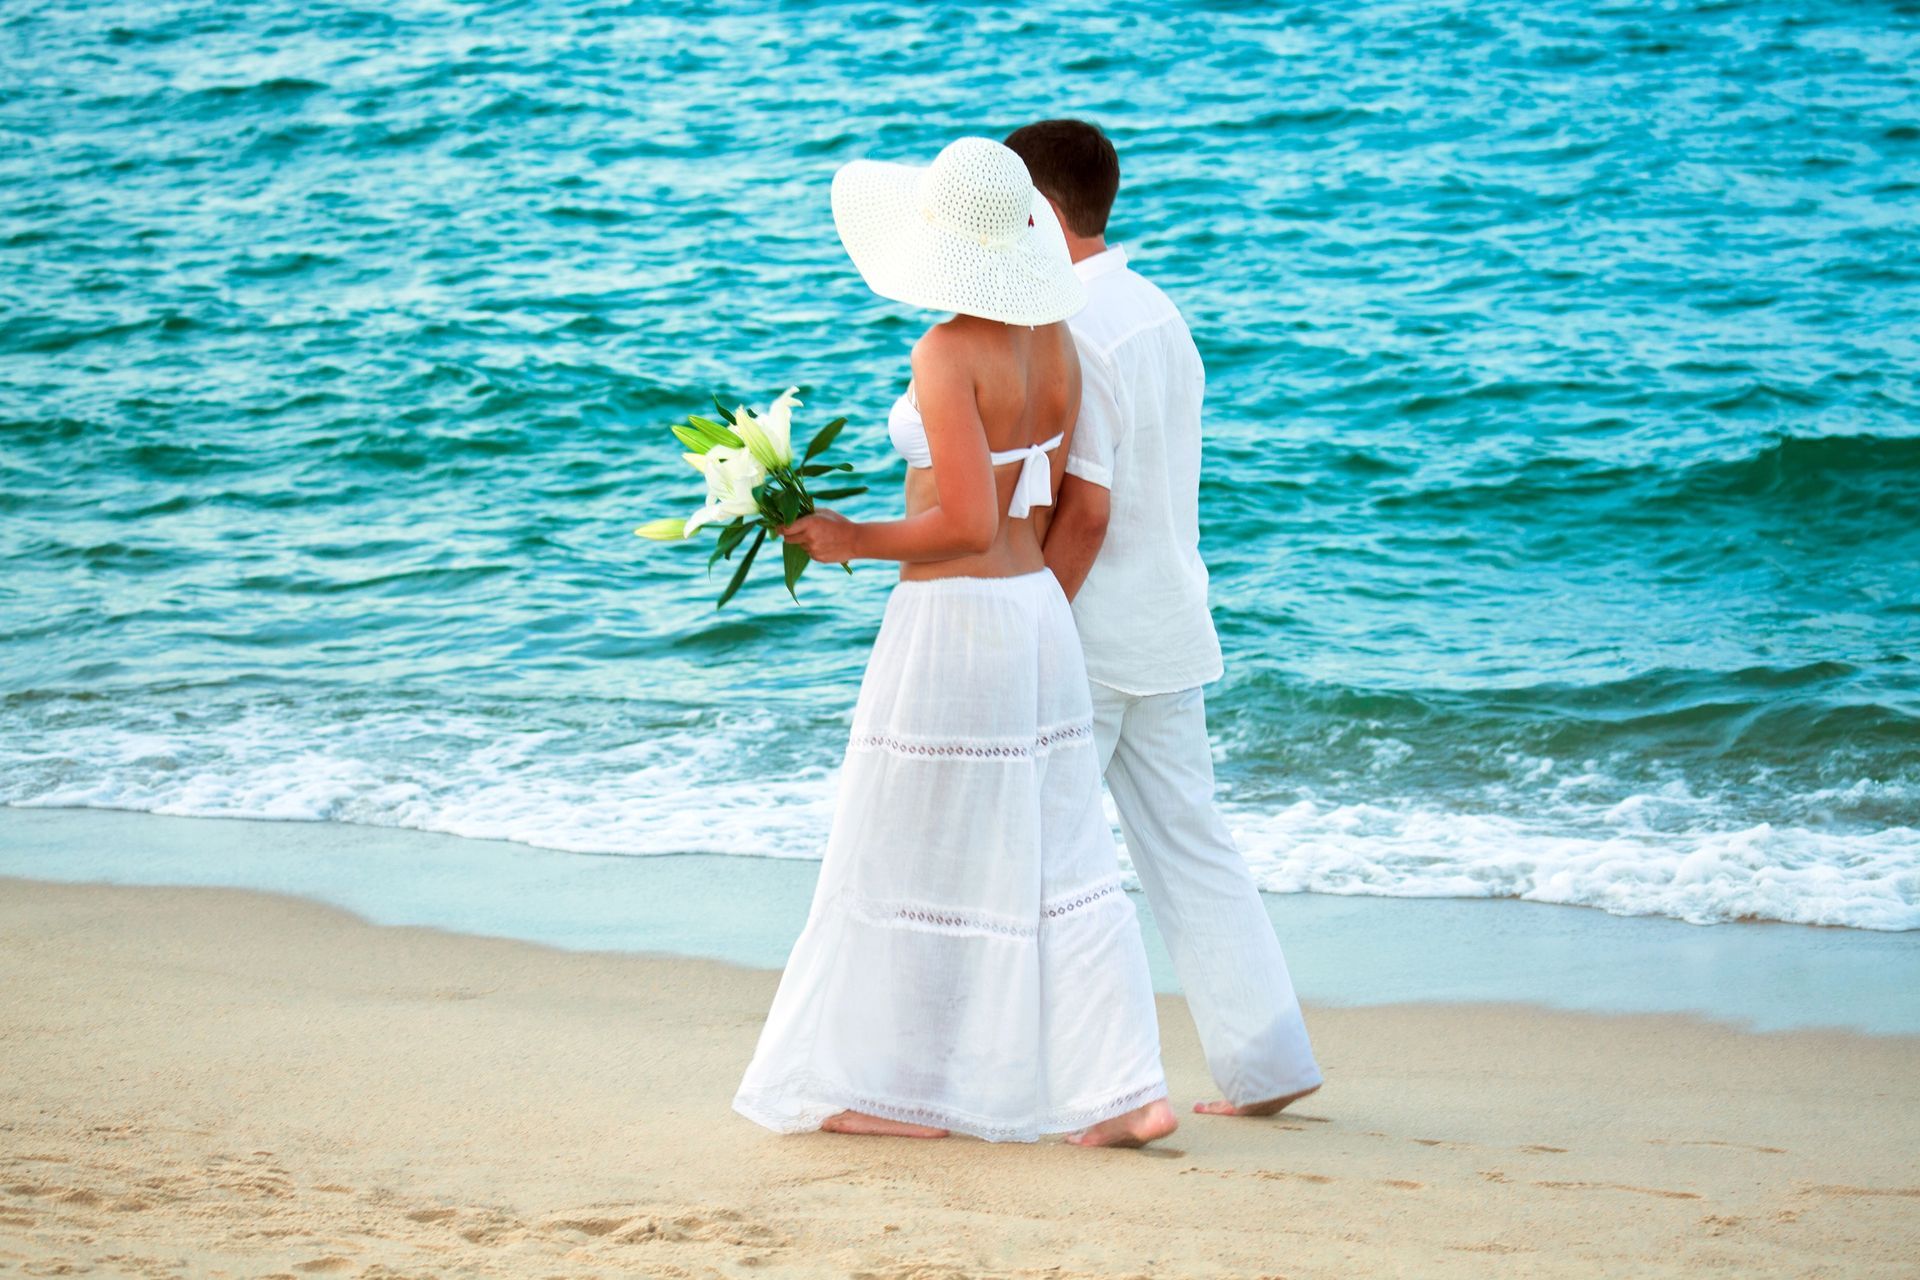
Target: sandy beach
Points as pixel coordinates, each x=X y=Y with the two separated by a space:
x=208 y=1082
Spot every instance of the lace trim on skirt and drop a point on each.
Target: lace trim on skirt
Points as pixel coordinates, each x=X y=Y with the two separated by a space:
x=1042 y=743
x=929 y=919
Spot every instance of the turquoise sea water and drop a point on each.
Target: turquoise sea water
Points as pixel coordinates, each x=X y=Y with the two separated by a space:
x=1563 y=467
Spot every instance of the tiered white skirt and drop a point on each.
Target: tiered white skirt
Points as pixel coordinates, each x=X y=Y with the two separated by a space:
x=970 y=960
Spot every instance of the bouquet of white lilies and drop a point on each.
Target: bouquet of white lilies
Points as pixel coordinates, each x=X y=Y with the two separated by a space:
x=754 y=484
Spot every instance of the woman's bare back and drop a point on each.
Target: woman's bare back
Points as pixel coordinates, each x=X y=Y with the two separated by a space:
x=1026 y=385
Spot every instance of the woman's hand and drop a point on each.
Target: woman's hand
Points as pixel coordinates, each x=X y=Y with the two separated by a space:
x=827 y=536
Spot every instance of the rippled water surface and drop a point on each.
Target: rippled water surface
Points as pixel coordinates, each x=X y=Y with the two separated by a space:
x=1563 y=466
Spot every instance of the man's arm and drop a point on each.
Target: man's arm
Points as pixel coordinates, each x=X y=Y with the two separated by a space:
x=1085 y=501
x=1079 y=527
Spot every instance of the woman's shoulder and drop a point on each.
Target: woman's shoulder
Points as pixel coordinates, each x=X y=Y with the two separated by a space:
x=952 y=346
x=956 y=335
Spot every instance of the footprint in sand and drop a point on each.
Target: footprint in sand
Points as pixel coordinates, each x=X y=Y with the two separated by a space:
x=1714 y=1142
x=725 y=1226
x=1492 y=1246
x=1540 y=1149
x=319 y=1266
x=589 y=1226
x=1618 y=1186
x=1403 y=1184
x=496 y=1229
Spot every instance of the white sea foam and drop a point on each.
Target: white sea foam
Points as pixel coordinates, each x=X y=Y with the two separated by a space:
x=1864 y=880
x=1658 y=854
x=457 y=775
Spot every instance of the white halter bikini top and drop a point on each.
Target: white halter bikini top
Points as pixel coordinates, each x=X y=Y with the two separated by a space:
x=1034 y=488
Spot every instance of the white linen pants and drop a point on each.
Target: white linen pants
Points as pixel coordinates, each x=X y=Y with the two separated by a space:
x=1158 y=763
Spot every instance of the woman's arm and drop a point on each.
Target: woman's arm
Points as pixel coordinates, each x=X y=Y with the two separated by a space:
x=965 y=515
x=1079 y=527
x=1043 y=517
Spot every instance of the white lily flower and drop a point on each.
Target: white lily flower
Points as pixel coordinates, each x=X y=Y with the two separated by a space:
x=778 y=424
x=732 y=476
x=768 y=438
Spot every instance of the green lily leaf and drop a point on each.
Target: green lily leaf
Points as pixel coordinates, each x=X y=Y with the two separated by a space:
x=726 y=414
x=822 y=468
x=796 y=560
x=740 y=574
x=730 y=537
x=824 y=437
x=828 y=495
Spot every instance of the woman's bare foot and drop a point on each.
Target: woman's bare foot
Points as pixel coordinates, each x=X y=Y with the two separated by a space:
x=1272 y=1106
x=1135 y=1129
x=862 y=1123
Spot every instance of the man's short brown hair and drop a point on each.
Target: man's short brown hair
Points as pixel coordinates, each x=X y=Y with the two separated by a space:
x=1074 y=165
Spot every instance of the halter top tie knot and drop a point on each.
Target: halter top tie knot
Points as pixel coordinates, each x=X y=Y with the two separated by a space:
x=1034 y=486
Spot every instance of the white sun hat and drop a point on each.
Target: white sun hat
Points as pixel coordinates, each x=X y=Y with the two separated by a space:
x=967 y=233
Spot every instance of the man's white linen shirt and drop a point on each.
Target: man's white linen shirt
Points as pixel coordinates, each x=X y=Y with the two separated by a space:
x=1142 y=614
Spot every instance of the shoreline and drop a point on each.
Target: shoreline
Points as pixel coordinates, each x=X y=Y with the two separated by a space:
x=1344 y=951
x=217 y=1082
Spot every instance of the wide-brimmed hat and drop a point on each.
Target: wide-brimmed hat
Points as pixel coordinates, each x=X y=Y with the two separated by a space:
x=967 y=233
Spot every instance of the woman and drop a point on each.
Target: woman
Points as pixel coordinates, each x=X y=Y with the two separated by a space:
x=970 y=963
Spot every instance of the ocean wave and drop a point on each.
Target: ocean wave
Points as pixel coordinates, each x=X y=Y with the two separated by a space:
x=1812 y=470
x=1862 y=880
x=1876 y=476
x=1694 y=721
x=1575 y=838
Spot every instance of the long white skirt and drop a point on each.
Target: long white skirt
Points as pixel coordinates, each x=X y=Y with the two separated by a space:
x=970 y=960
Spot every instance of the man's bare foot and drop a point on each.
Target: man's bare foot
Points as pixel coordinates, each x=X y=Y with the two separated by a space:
x=862 y=1123
x=1135 y=1129
x=1272 y=1106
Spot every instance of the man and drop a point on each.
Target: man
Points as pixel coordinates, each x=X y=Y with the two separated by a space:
x=1124 y=543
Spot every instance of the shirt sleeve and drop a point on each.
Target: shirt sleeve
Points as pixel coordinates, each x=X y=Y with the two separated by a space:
x=1096 y=435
